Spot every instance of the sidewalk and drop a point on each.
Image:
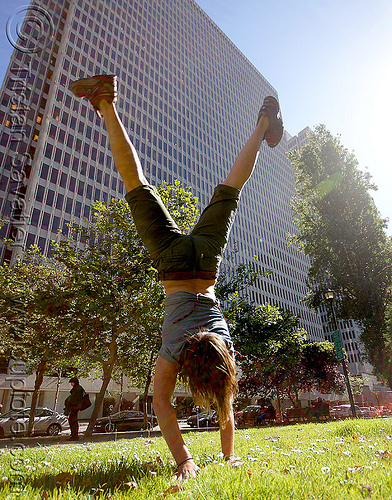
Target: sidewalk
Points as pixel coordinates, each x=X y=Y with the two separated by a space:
x=63 y=438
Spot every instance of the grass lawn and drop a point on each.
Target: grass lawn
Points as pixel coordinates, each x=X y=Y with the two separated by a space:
x=350 y=459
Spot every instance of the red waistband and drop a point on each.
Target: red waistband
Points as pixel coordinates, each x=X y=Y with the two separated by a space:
x=187 y=275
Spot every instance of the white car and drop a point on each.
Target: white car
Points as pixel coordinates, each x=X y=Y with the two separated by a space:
x=46 y=421
x=344 y=411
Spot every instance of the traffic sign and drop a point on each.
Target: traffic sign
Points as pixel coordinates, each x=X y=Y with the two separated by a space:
x=338 y=345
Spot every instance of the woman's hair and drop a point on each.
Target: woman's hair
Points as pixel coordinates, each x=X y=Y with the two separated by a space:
x=208 y=367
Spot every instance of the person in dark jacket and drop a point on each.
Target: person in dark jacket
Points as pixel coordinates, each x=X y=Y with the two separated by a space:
x=72 y=407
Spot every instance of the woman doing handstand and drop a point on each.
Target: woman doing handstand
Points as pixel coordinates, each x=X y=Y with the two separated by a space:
x=196 y=343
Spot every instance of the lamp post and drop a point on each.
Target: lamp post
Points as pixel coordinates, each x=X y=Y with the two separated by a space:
x=329 y=296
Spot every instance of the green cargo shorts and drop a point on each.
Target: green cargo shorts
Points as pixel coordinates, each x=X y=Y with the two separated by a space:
x=176 y=255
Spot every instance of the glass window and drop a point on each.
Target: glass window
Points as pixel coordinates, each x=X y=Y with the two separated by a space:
x=57 y=155
x=61 y=136
x=35 y=217
x=78 y=209
x=72 y=183
x=63 y=180
x=52 y=132
x=48 y=150
x=49 y=197
x=59 y=201
x=45 y=221
x=41 y=243
x=67 y=159
x=86 y=212
x=30 y=240
x=54 y=175
x=68 y=205
x=39 y=196
x=55 y=224
x=44 y=171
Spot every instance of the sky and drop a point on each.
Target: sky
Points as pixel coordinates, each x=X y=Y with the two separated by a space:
x=329 y=60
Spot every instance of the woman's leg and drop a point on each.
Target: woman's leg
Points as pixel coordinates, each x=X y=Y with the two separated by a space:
x=101 y=91
x=246 y=160
x=124 y=153
x=269 y=127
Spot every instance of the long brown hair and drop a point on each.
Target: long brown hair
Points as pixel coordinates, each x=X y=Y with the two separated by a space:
x=208 y=367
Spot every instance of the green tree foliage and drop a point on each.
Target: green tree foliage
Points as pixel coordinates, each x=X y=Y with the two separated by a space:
x=25 y=331
x=275 y=359
x=340 y=228
x=114 y=301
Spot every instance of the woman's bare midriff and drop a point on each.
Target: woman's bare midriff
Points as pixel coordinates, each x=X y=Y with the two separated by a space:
x=205 y=287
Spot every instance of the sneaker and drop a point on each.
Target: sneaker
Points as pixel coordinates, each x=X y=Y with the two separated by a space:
x=97 y=88
x=271 y=110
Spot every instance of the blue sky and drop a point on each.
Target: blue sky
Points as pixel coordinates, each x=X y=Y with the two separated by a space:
x=329 y=60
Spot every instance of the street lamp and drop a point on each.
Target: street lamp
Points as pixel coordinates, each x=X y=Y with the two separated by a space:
x=329 y=296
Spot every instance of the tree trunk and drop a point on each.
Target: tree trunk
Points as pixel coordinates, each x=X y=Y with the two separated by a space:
x=145 y=395
x=107 y=367
x=279 y=405
x=56 y=397
x=39 y=377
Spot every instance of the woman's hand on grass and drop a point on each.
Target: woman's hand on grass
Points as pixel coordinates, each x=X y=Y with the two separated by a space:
x=186 y=470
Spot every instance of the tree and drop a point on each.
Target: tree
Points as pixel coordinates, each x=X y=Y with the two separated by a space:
x=319 y=368
x=114 y=301
x=38 y=339
x=340 y=228
x=275 y=359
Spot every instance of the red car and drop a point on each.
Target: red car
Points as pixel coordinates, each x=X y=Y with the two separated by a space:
x=249 y=415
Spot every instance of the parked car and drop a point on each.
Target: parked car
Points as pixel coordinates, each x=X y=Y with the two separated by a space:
x=369 y=411
x=126 y=420
x=344 y=411
x=384 y=411
x=46 y=421
x=249 y=415
x=194 y=419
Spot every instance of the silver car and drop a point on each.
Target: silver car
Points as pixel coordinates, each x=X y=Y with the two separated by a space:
x=46 y=421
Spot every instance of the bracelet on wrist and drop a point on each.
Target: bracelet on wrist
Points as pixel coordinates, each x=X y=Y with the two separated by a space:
x=186 y=460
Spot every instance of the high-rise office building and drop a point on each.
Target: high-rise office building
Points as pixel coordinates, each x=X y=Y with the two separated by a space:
x=189 y=100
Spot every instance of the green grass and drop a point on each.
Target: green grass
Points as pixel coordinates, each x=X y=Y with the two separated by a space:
x=338 y=460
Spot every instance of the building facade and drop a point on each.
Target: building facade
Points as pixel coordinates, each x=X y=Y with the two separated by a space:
x=189 y=100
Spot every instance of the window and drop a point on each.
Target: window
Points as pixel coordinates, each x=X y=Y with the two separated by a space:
x=44 y=171
x=63 y=180
x=48 y=150
x=72 y=183
x=45 y=221
x=57 y=155
x=35 y=217
x=39 y=196
x=78 y=209
x=49 y=197
x=55 y=224
x=68 y=206
x=59 y=201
